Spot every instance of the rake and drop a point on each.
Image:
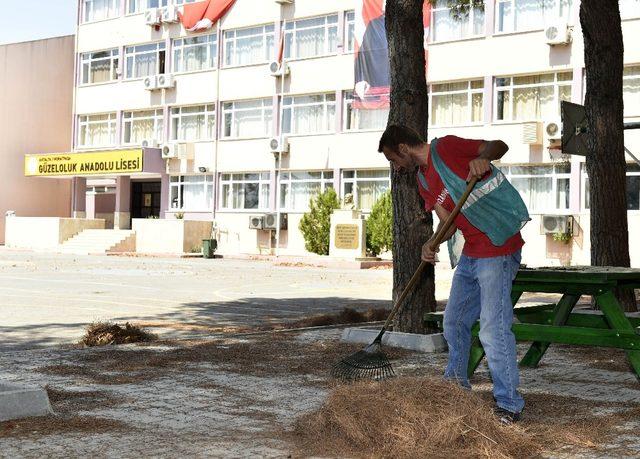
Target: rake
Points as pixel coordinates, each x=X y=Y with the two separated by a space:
x=372 y=362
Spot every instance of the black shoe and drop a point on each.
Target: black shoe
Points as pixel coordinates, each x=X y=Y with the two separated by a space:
x=505 y=416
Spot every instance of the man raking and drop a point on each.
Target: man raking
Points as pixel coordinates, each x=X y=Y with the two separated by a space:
x=490 y=222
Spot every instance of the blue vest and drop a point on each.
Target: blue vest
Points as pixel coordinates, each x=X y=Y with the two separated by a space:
x=494 y=206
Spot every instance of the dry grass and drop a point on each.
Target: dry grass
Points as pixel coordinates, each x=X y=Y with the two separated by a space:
x=346 y=316
x=105 y=333
x=428 y=417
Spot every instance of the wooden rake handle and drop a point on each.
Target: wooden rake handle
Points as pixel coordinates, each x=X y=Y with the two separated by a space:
x=437 y=240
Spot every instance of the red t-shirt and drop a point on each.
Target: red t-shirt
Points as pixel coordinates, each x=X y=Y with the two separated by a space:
x=457 y=153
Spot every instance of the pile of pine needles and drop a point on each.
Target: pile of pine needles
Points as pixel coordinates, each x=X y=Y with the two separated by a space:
x=106 y=333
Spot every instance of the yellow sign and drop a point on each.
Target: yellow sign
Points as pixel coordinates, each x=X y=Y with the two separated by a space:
x=347 y=236
x=94 y=163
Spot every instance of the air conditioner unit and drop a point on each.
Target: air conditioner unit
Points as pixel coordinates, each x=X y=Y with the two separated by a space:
x=271 y=221
x=256 y=222
x=285 y=2
x=149 y=143
x=278 y=69
x=185 y=150
x=279 y=144
x=551 y=224
x=557 y=34
x=152 y=16
x=166 y=81
x=150 y=83
x=532 y=133
x=169 y=150
x=553 y=130
x=169 y=14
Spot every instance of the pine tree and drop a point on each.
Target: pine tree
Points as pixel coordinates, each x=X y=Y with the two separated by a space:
x=315 y=225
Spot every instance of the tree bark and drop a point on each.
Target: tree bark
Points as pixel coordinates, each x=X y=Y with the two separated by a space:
x=606 y=165
x=412 y=225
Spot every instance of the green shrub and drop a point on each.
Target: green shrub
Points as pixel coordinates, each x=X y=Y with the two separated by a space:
x=315 y=225
x=380 y=225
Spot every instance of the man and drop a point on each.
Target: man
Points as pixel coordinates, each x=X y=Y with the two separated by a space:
x=490 y=223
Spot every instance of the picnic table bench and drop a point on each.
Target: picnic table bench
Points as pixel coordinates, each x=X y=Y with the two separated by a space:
x=558 y=322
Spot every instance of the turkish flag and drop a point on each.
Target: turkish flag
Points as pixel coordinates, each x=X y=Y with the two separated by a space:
x=203 y=15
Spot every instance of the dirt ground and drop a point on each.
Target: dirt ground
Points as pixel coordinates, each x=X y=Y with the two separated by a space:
x=240 y=396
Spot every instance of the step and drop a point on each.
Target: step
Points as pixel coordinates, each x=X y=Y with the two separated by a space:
x=94 y=241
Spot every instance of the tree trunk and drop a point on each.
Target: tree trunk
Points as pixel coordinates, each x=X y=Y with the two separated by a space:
x=412 y=225
x=603 y=56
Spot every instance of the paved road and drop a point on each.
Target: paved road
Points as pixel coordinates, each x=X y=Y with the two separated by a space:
x=49 y=298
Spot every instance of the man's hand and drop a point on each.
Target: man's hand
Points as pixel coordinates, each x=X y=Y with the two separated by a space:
x=478 y=167
x=429 y=255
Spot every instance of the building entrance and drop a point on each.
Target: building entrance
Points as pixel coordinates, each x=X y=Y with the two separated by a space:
x=145 y=199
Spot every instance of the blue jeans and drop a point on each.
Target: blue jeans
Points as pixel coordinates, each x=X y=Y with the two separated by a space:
x=481 y=288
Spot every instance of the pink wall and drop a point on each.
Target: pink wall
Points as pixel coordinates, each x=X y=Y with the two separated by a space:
x=36 y=93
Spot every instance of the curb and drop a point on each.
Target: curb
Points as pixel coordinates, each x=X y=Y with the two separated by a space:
x=18 y=401
x=420 y=343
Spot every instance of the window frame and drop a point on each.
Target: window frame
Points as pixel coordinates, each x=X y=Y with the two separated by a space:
x=158 y=123
x=470 y=24
x=293 y=30
x=355 y=179
x=209 y=45
x=207 y=182
x=114 y=59
x=143 y=5
x=268 y=50
x=470 y=91
x=208 y=113
x=545 y=19
x=627 y=78
x=349 y=31
x=583 y=185
x=115 y=7
x=555 y=179
x=325 y=182
x=111 y=122
x=510 y=88
x=292 y=106
x=267 y=107
x=264 y=180
x=347 y=101
x=161 y=47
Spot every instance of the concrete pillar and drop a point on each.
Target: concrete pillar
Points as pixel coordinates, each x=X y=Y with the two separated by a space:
x=79 y=197
x=122 y=214
x=164 y=195
x=487 y=99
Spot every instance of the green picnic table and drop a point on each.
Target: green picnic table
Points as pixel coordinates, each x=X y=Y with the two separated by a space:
x=559 y=323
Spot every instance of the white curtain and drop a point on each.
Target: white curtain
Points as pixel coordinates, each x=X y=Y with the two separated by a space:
x=248 y=50
x=369 y=119
x=535 y=191
x=193 y=193
x=99 y=133
x=145 y=64
x=309 y=42
x=631 y=91
x=369 y=192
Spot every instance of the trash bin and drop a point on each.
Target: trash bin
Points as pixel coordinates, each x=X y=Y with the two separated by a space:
x=209 y=247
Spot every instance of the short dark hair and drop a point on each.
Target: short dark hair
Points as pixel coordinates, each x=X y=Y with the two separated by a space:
x=395 y=134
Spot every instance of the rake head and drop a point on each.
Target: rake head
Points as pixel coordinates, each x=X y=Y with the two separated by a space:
x=369 y=363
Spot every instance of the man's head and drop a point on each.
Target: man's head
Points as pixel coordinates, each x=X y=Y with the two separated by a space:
x=402 y=146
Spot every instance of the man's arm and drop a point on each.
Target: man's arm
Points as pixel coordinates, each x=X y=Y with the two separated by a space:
x=488 y=151
x=429 y=255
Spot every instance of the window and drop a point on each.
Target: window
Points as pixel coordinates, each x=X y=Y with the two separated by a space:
x=96 y=10
x=249 y=46
x=145 y=60
x=349 y=31
x=138 y=6
x=97 y=130
x=184 y=2
x=250 y=118
x=629 y=8
x=542 y=188
x=633 y=187
x=457 y=22
x=456 y=104
x=366 y=186
x=311 y=37
x=520 y=15
x=191 y=192
x=360 y=119
x=297 y=188
x=100 y=66
x=631 y=90
x=195 y=53
x=193 y=123
x=308 y=114
x=244 y=191
x=142 y=125
x=532 y=97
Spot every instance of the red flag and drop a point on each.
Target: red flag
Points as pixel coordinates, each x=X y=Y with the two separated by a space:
x=281 y=45
x=203 y=15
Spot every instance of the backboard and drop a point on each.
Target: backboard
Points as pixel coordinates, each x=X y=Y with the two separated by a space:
x=574 y=129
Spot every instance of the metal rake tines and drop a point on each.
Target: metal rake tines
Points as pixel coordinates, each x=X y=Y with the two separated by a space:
x=364 y=365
